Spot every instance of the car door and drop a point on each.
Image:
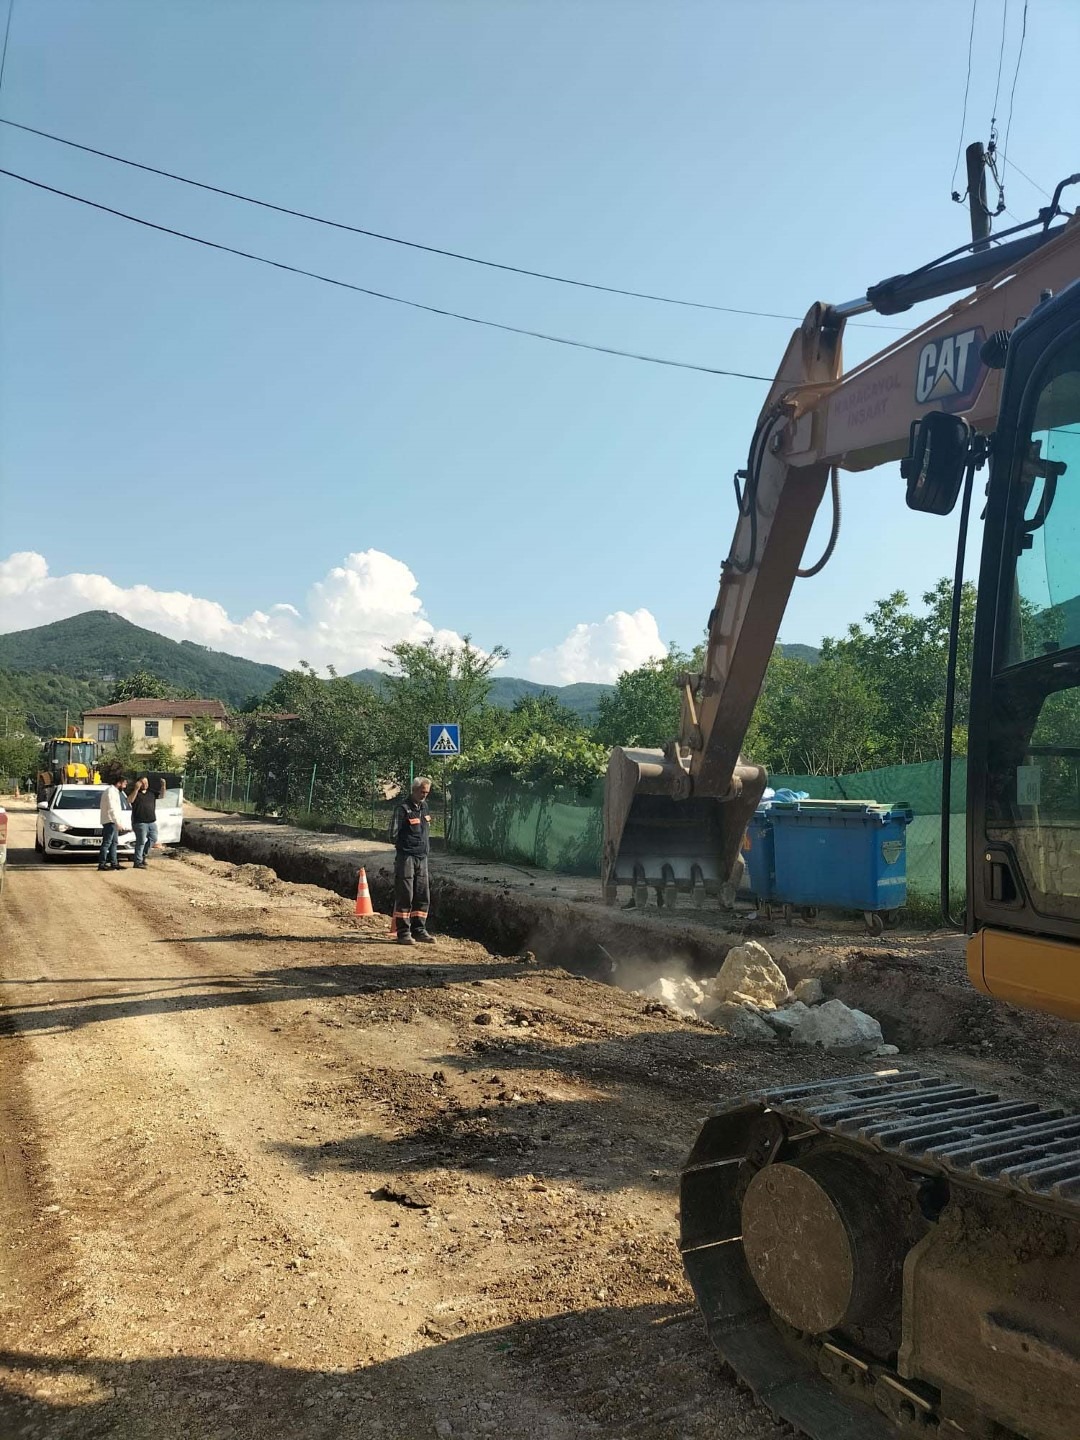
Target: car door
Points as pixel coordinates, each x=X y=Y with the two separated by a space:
x=170 y=813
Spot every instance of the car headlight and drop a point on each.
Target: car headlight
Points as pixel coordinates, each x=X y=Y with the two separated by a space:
x=58 y=825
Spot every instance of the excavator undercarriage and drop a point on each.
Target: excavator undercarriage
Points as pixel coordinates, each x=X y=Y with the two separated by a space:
x=892 y=1252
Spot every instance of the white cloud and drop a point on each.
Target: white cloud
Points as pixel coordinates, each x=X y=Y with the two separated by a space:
x=600 y=651
x=359 y=607
x=353 y=612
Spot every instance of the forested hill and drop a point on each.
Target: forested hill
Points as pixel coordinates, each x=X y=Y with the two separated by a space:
x=99 y=646
x=62 y=669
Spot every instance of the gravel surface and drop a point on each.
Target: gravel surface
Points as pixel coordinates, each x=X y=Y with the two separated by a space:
x=265 y=1175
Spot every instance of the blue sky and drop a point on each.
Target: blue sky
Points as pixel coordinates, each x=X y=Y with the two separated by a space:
x=188 y=422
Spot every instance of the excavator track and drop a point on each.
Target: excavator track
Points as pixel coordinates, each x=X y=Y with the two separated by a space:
x=892 y=1253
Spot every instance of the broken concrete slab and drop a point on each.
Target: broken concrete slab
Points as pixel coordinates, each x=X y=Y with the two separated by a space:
x=786 y=1021
x=750 y=972
x=740 y=1023
x=684 y=996
x=809 y=991
x=835 y=1026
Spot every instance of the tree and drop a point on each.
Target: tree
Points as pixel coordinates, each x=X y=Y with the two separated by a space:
x=530 y=715
x=142 y=685
x=211 y=749
x=813 y=719
x=163 y=758
x=19 y=755
x=316 y=738
x=902 y=658
x=645 y=706
x=429 y=683
x=875 y=698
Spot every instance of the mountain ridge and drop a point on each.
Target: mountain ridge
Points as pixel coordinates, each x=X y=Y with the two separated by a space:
x=55 y=670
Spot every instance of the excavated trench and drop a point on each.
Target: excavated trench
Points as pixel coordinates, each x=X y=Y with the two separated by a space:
x=579 y=936
x=918 y=989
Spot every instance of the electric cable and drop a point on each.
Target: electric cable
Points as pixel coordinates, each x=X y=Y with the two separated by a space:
x=1012 y=92
x=7 y=32
x=412 y=244
x=967 y=88
x=381 y=294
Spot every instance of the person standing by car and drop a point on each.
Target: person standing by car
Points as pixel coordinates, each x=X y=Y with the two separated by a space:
x=409 y=834
x=144 y=820
x=113 y=820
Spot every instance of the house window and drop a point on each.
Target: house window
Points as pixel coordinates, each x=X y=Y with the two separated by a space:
x=151 y=731
x=108 y=734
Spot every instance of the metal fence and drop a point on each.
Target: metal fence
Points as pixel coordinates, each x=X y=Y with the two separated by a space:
x=239 y=792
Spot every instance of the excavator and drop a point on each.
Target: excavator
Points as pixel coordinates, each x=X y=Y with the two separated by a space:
x=896 y=1252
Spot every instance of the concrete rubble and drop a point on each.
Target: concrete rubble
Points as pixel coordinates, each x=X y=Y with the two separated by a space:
x=786 y=1021
x=810 y=992
x=749 y=976
x=740 y=1022
x=684 y=996
x=835 y=1026
x=749 y=1000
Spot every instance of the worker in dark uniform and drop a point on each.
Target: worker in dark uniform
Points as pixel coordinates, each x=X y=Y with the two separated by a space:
x=409 y=831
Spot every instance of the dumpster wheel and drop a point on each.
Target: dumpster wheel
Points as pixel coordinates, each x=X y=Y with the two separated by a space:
x=875 y=921
x=892 y=1254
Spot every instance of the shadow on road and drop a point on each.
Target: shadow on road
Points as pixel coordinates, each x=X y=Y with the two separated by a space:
x=645 y=1371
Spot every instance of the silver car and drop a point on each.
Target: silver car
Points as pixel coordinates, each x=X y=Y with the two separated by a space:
x=70 y=823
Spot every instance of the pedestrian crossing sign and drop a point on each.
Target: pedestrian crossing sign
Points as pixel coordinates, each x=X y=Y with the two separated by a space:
x=444 y=740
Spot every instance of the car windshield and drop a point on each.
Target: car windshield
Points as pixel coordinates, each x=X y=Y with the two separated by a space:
x=83 y=800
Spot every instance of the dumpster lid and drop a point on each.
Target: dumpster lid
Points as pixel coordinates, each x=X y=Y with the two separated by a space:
x=876 y=808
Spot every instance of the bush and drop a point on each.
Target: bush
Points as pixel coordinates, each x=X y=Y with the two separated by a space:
x=574 y=761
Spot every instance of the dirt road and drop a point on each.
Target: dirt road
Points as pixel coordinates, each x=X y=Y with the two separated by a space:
x=213 y=1085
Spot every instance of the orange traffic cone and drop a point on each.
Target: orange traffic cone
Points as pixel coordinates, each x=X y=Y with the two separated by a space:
x=363 y=896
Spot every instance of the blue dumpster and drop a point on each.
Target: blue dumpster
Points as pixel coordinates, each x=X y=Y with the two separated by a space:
x=845 y=854
x=757 y=851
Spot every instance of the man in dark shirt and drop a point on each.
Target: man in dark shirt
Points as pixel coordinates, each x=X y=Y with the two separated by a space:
x=144 y=820
x=409 y=829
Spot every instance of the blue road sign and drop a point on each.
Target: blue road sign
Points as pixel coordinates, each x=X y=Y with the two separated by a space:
x=444 y=740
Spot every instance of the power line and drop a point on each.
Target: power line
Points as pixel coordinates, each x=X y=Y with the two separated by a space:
x=7 y=32
x=967 y=88
x=410 y=244
x=1013 y=165
x=1001 y=60
x=1016 y=73
x=380 y=294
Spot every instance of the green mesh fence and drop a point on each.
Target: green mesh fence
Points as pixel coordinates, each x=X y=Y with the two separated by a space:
x=558 y=829
x=554 y=828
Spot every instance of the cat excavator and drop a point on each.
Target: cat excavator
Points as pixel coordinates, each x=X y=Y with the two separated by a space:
x=896 y=1252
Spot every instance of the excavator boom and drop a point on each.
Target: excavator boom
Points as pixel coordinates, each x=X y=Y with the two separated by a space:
x=674 y=819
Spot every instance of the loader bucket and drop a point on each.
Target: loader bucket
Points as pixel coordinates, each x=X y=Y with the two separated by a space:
x=659 y=837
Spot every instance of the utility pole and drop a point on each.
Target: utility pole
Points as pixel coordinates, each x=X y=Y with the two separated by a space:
x=976 y=187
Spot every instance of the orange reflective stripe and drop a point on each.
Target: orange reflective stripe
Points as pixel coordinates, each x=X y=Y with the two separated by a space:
x=418 y=914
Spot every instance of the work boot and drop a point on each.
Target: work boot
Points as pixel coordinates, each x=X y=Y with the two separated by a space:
x=423 y=937
x=404 y=938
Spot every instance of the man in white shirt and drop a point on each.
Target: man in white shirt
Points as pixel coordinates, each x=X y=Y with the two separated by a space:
x=113 y=820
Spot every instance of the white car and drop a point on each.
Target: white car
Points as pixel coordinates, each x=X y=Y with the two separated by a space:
x=70 y=823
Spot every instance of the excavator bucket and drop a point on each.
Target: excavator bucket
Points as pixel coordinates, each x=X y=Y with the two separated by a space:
x=660 y=837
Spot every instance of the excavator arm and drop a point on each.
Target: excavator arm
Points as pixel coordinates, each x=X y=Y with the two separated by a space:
x=674 y=819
